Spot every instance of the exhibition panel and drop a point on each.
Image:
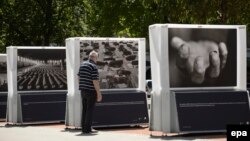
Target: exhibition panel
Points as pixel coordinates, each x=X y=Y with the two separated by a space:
x=43 y=106
x=121 y=67
x=3 y=105
x=117 y=62
x=121 y=108
x=40 y=69
x=206 y=48
x=202 y=111
x=36 y=73
x=3 y=86
x=3 y=74
x=185 y=57
x=248 y=68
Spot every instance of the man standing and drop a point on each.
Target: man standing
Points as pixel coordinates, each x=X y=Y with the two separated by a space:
x=90 y=90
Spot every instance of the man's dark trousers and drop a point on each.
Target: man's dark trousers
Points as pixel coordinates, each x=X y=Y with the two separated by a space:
x=88 y=105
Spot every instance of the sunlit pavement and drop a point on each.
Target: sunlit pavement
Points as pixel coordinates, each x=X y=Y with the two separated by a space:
x=54 y=132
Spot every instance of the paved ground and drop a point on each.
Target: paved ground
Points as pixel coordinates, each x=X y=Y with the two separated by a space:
x=57 y=132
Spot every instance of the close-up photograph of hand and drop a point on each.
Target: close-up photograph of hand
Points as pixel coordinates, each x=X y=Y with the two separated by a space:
x=200 y=59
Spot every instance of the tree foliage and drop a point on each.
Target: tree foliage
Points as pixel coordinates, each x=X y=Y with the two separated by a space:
x=50 y=22
x=39 y=22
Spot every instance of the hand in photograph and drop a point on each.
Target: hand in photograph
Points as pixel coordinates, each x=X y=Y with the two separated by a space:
x=197 y=58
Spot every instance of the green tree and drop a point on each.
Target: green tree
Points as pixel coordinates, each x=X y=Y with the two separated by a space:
x=40 y=22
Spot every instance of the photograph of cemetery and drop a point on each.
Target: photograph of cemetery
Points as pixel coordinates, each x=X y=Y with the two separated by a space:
x=117 y=62
x=41 y=69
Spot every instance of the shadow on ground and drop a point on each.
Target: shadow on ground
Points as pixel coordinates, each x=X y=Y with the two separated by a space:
x=193 y=136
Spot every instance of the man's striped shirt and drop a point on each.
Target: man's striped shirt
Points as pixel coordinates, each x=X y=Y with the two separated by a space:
x=87 y=73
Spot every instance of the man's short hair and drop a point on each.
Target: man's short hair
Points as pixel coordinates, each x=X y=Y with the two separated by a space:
x=93 y=54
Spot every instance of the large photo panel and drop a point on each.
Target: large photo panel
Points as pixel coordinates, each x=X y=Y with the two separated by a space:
x=41 y=69
x=202 y=57
x=3 y=74
x=248 y=68
x=117 y=62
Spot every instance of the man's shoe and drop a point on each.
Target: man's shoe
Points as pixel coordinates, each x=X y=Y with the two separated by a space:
x=86 y=132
